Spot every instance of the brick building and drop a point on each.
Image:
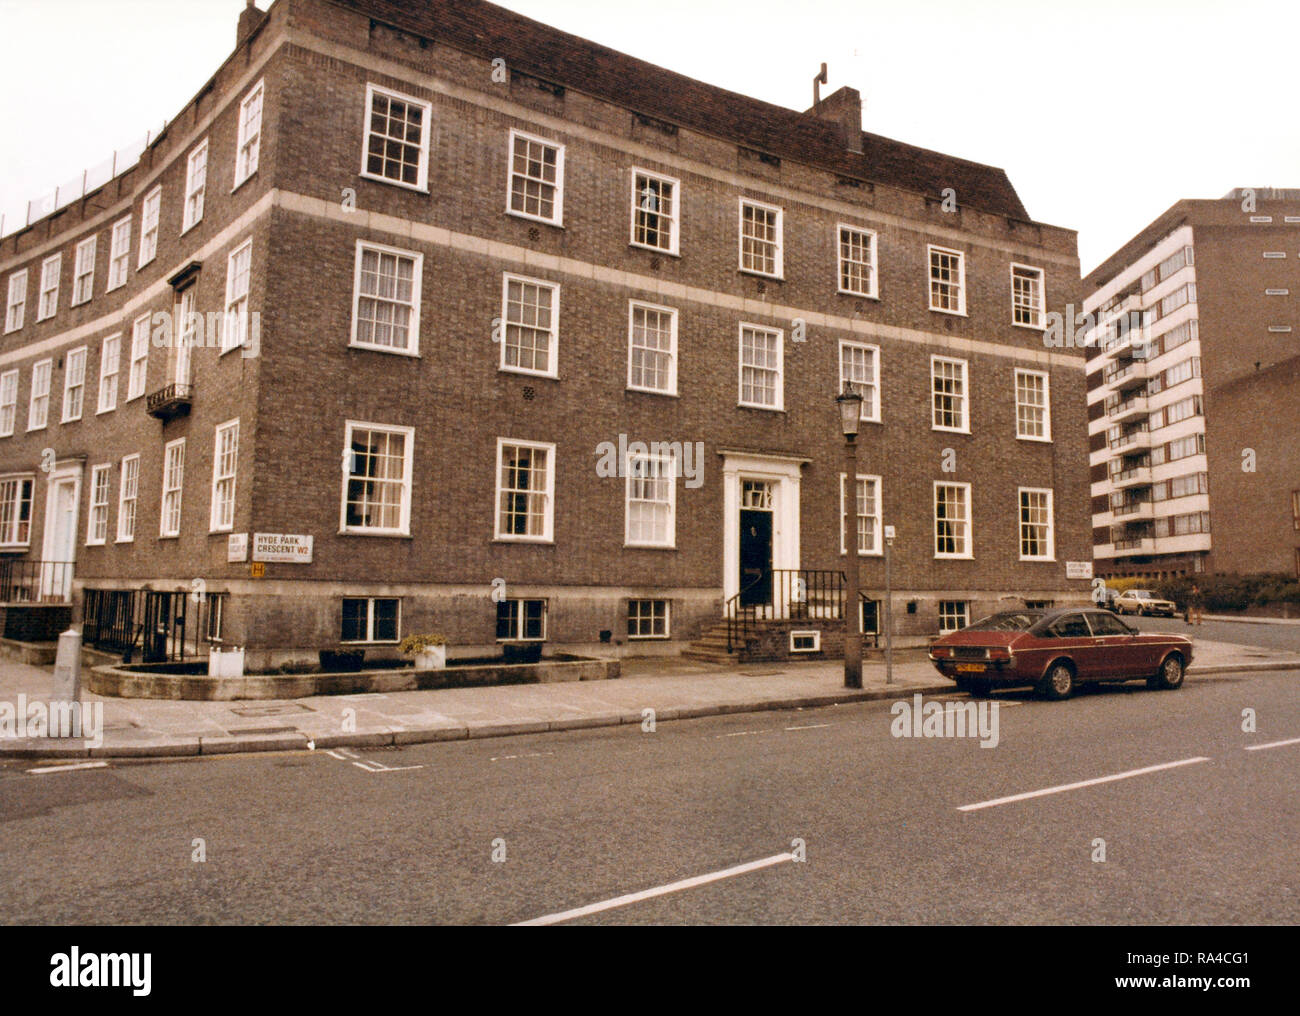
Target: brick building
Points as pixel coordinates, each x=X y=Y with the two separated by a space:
x=1193 y=411
x=451 y=264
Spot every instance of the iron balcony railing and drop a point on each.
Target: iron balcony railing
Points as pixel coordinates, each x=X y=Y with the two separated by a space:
x=26 y=581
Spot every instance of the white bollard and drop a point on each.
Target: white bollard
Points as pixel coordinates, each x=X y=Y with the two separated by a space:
x=67 y=668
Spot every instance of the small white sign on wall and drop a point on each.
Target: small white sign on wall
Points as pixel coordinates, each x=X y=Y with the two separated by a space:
x=1078 y=569
x=237 y=547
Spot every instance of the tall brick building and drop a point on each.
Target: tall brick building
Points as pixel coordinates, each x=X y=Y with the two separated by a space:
x=451 y=258
x=1193 y=413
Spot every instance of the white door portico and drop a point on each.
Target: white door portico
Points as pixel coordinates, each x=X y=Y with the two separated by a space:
x=782 y=473
x=59 y=544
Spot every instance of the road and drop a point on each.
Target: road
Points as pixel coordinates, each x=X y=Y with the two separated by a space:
x=408 y=836
x=1242 y=633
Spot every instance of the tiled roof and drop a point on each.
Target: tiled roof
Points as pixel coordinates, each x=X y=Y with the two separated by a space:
x=490 y=31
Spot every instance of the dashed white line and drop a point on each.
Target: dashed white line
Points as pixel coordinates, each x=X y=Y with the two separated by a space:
x=531 y=754
x=1082 y=783
x=67 y=768
x=1272 y=744
x=649 y=894
x=811 y=726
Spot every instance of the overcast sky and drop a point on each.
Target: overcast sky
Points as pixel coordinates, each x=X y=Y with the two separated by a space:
x=1103 y=113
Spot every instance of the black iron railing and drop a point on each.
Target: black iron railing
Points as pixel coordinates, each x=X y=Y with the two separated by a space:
x=154 y=624
x=24 y=581
x=780 y=594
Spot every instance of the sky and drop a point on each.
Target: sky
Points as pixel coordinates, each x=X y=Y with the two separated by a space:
x=1102 y=113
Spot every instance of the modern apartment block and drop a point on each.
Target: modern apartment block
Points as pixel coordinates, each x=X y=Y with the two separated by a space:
x=485 y=329
x=1193 y=405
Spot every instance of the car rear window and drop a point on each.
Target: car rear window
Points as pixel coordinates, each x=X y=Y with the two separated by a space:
x=1071 y=626
x=1010 y=620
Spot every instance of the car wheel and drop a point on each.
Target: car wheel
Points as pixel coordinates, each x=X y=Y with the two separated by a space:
x=1170 y=675
x=1058 y=682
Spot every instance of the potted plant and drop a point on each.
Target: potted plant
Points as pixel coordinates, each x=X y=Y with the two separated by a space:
x=429 y=651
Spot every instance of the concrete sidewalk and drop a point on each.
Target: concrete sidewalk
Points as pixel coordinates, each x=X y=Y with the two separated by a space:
x=673 y=688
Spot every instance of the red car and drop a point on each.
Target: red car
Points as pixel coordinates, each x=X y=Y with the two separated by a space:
x=1057 y=650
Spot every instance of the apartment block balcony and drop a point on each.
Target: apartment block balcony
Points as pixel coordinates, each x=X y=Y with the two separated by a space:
x=1129 y=376
x=1130 y=408
x=1133 y=440
x=1132 y=476
x=170 y=402
x=1134 y=510
x=1135 y=546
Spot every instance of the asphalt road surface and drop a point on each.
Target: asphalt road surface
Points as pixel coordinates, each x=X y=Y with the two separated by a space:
x=1242 y=633
x=842 y=822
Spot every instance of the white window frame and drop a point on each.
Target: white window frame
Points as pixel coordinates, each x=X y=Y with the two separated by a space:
x=9 y=527
x=779 y=259
x=223 y=481
x=632 y=307
x=964 y=615
x=811 y=633
x=1040 y=308
x=248 y=143
x=54 y=261
x=667 y=472
x=413 y=328
x=517 y=135
x=234 y=324
x=186 y=335
x=548 y=494
x=872 y=413
x=40 y=395
x=673 y=218
x=370 y=639
x=780 y=367
x=97 y=516
x=74 y=380
x=128 y=498
x=518 y=635
x=877 y=548
x=9 y=402
x=196 y=186
x=173 y=489
x=931 y=281
x=873 y=288
x=553 y=341
x=139 y=357
x=407 y=482
x=16 y=301
x=1051 y=524
x=422 y=169
x=110 y=366
x=640 y=618
x=1046 y=407
x=968 y=553
x=119 y=254
x=150 y=221
x=965 y=395
x=83 y=270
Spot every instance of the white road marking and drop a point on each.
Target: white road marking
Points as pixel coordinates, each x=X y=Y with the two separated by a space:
x=649 y=894
x=811 y=726
x=1272 y=744
x=74 y=765
x=371 y=766
x=531 y=754
x=1082 y=783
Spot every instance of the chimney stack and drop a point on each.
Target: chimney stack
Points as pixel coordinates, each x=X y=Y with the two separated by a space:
x=843 y=107
x=249 y=18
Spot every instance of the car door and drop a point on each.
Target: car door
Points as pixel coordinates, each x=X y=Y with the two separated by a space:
x=1072 y=637
x=1118 y=651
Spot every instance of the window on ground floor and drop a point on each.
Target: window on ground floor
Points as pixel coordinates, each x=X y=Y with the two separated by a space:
x=521 y=621
x=371 y=619
x=647 y=619
x=953 y=615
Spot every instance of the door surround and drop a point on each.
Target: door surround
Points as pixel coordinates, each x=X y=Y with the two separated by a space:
x=784 y=474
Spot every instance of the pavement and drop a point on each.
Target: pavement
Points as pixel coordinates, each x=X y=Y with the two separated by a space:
x=651 y=690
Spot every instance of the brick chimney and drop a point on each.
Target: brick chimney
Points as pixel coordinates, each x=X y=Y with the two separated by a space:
x=844 y=107
x=249 y=18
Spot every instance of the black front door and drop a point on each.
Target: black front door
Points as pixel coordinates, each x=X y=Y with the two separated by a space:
x=755 y=557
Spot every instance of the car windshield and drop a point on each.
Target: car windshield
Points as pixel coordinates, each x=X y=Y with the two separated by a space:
x=1009 y=620
x=1143 y=594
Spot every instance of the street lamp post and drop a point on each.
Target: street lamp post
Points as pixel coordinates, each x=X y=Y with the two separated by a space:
x=889 y=609
x=850 y=406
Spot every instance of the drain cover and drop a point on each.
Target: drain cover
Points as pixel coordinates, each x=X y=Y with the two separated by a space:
x=279 y=709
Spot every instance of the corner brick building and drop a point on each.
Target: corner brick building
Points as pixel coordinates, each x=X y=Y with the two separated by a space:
x=1193 y=416
x=444 y=256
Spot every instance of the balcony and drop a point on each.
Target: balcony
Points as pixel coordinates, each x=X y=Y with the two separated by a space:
x=1133 y=476
x=1135 y=546
x=1134 y=511
x=1133 y=440
x=170 y=402
x=1128 y=409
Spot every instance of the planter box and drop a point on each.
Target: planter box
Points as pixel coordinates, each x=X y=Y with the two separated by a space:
x=432 y=658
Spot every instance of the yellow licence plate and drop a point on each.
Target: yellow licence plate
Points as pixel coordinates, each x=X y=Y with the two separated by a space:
x=970 y=668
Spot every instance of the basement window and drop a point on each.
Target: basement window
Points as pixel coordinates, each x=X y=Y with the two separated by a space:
x=805 y=642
